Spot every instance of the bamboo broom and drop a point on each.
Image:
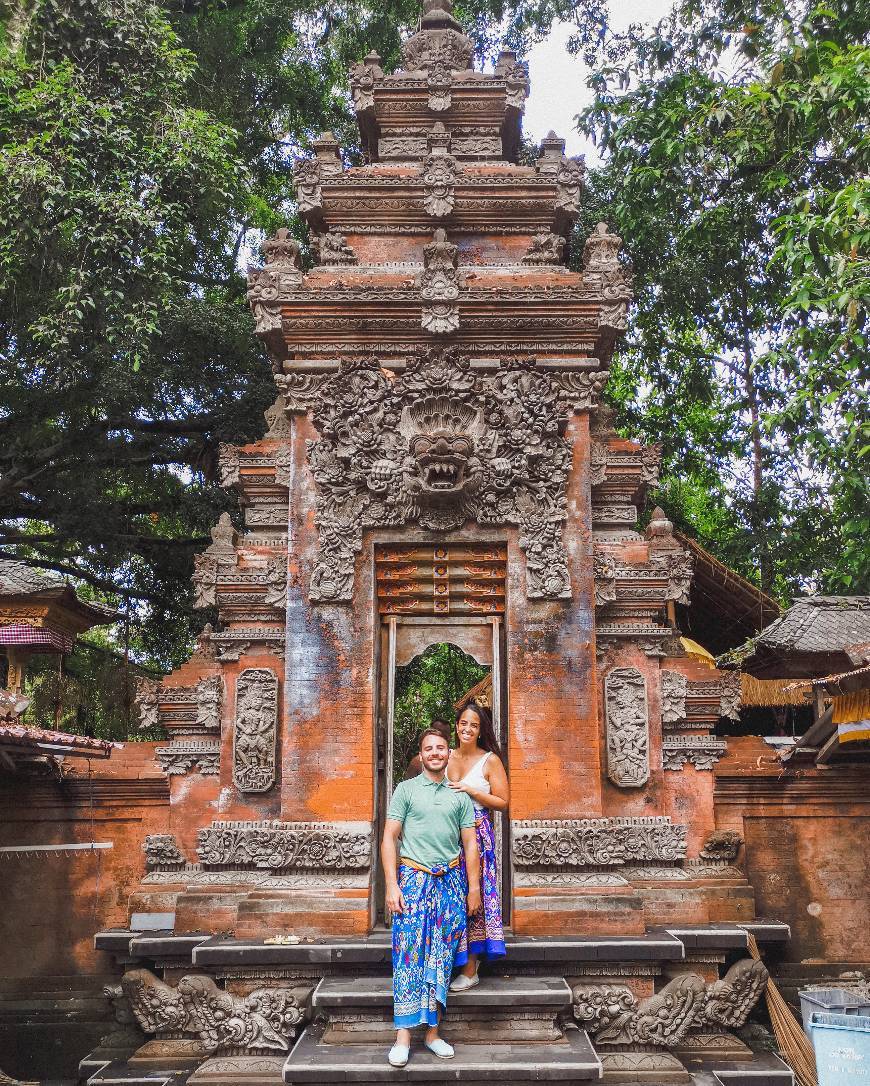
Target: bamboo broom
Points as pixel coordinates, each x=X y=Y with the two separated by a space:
x=794 y=1045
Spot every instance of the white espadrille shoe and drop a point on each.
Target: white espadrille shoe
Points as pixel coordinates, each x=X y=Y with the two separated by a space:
x=440 y=1048
x=398 y=1056
x=462 y=983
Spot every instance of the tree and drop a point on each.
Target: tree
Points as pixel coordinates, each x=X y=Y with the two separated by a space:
x=735 y=167
x=145 y=149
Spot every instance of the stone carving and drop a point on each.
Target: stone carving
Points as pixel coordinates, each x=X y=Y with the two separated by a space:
x=438 y=446
x=209 y=693
x=681 y=569
x=613 y=1014
x=228 y=465
x=333 y=249
x=279 y=276
x=439 y=285
x=282 y=846
x=604 y=273
x=185 y=755
x=721 y=845
x=545 y=249
x=256 y=725
x=147 y=702
x=515 y=73
x=439 y=80
x=605 y=578
x=439 y=181
x=307 y=176
x=276 y=593
x=278 y=428
x=362 y=82
x=627 y=727
x=596 y=842
x=673 y=686
x=569 y=182
x=439 y=41
x=265 y=1019
x=730 y=999
x=224 y=540
x=729 y=702
x=703 y=751
x=579 y=390
x=162 y=851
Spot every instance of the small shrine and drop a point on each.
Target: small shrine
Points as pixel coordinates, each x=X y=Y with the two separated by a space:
x=40 y=613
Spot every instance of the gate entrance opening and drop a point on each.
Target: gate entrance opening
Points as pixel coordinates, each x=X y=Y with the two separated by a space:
x=441 y=612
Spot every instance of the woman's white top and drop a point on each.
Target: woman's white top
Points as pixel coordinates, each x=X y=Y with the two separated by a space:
x=475 y=779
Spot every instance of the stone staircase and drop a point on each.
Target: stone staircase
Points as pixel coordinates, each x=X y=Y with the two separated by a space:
x=528 y=1021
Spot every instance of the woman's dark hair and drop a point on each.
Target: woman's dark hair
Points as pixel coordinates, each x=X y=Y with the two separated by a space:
x=486 y=740
x=439 y=724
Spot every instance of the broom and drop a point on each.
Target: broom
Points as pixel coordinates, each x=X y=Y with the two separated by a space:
x=794 y=1045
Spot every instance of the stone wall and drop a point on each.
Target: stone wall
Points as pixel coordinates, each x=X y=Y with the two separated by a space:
x=52 y=1006
x=806 y=854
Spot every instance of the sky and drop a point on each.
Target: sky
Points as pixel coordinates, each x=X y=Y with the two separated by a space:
x=558 y=80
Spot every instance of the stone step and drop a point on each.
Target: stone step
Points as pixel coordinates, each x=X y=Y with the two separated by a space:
x=510 y=1009
x=568 y=1060
x=122 y=1074
x=356 y=993
x=763 y=1070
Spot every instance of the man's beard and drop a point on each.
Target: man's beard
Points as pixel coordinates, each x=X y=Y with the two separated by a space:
x=434 y=765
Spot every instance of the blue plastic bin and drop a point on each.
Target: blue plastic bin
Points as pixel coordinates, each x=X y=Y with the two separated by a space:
x=842 y=1046
x=831 y=1001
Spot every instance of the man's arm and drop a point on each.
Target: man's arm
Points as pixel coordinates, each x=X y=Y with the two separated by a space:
x=472 y=866
x=390 y=861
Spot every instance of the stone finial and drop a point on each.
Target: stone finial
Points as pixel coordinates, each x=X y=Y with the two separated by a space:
x=601 y=251
x=282 y=250
x=439 y=41
x=604 y=271
x=659 y=526
x=438 y=139
x=224 y=537
x=327 y=152
x=551 y=153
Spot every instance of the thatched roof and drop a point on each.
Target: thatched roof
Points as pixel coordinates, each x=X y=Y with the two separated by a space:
x=816 y=636
x=725 y=608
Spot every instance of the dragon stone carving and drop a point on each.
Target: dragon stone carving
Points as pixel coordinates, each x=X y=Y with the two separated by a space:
x=266 y=1019
x=614 y=1015
x=439 y=445
x=255 y=730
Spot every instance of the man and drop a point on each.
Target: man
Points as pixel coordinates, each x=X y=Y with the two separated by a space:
x=415 y=766
x=426 y=892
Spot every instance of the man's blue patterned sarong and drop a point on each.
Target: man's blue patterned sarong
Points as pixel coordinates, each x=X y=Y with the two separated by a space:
x=425 y=939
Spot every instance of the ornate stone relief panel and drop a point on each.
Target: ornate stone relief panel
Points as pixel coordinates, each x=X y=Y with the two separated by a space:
x=263 y=1021
x=439 y=445
x=187 y=754
x=703 y=751
x=286 y=846
x=255 y=730
x=439 y=184
x=627 y=720
x=596 y=842
x=162 y=851
x=673 y=696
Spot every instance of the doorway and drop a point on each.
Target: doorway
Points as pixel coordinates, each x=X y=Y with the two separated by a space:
x=441 y=634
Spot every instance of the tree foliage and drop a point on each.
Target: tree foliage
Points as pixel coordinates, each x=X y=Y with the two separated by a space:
x=144 y=148
x=426 y=688
x=735 y=167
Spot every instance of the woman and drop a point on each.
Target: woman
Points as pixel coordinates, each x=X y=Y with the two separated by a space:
x=476 y=769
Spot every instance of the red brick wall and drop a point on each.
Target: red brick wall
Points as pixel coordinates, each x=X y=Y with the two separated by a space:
x=807 y=856
x=54 y=902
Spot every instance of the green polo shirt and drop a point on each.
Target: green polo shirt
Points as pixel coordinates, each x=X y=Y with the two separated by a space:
x=432 y=815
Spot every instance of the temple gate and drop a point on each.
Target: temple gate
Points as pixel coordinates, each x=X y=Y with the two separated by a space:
x=437 y=467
